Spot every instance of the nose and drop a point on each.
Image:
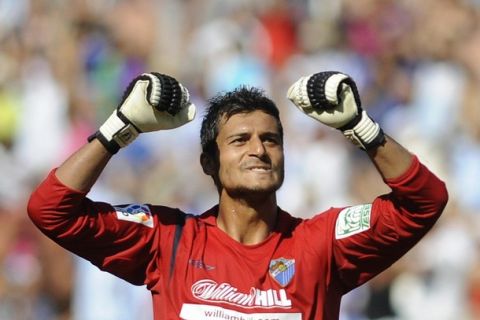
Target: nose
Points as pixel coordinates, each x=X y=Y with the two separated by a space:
x=256 y=147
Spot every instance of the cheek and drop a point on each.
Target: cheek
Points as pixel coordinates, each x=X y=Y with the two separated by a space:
x=229 y=160
x=278 y=159
x=226 y=168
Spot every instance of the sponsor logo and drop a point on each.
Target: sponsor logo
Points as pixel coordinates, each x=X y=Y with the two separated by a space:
x=138 y=213
x=353 y=220
x=207 y=312
x=282 y=270
x=211 y=291
x=126 y=135
x=200 y=264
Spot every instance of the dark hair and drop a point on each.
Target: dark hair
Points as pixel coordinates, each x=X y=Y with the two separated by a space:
x=241 y=100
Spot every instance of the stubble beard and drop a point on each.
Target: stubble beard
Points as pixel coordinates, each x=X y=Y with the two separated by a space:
x=258 y=191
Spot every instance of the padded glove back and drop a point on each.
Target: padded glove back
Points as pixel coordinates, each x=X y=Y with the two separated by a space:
x=332 y=98
x=151 y=102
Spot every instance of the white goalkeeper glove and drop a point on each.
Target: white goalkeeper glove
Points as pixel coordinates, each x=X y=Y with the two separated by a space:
x=332 y=98
x=151 y=102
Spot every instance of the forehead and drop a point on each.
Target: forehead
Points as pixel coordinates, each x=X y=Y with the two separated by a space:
x=255 y=121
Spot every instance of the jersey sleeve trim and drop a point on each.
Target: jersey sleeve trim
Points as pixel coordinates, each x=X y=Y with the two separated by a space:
x=408 y=175
x=56 y=181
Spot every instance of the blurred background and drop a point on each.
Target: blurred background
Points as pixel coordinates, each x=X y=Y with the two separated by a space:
x=64 y=66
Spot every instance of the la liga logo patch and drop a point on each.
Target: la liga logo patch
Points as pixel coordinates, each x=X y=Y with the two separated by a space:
x=282 y=270
x=138 y=213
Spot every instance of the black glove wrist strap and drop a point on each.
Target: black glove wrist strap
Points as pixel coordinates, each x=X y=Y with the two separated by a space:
x=111 y=146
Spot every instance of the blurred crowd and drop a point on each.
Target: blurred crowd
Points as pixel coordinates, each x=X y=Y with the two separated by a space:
x=64 y=66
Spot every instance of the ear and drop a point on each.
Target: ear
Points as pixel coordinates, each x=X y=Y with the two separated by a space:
x=208 y=164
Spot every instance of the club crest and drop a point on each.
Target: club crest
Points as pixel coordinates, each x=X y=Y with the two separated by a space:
x=282 y=270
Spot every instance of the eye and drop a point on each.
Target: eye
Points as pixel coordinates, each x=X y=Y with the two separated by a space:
x=238 y=140
x=271 y=140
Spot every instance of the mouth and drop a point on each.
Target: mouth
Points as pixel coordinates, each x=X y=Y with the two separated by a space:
x=261 y=169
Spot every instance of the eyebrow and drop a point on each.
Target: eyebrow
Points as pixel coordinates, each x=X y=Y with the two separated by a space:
x=238 y=134
x=262 y=135
x=270 y=134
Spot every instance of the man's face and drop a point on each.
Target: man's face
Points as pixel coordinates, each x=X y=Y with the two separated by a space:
x=251 y=160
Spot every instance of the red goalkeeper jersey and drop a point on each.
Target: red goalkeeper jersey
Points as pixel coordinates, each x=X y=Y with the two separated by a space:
x=195 y=271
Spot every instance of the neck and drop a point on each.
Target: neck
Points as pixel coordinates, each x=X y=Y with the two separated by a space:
x=245 y=220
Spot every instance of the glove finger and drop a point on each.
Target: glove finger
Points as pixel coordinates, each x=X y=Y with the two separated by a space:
x=297 y=93
x=171 y=93
x=319 y=91
x=349 y=81
x=185 y=115
x=324 y=88
x=154 y=89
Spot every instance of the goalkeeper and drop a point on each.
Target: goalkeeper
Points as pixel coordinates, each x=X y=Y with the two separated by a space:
x=244 y=258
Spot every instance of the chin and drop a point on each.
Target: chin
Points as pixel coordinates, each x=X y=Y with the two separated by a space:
x=257 y=190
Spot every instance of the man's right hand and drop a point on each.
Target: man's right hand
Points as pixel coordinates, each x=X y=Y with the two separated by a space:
x=151 y=102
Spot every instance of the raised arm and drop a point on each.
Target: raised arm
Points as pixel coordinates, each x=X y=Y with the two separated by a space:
x=332 y=98
x=368 y=238
x=391 y=159
x=82 y=169
x=151 y=102
x=58 y=205
x=117 y=239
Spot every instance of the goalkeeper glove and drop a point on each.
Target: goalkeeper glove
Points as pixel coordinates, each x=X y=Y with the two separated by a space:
x=151 y=102
x=332 y=98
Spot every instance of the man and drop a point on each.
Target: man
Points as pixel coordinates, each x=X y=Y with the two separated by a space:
x=245 y=258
